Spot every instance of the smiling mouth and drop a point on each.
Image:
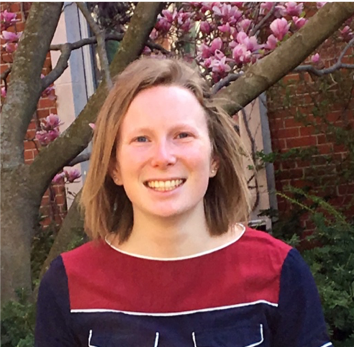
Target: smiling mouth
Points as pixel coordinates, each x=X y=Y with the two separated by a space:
x=164 y=185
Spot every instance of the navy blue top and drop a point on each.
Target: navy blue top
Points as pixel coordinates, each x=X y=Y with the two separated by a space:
x=255 y=291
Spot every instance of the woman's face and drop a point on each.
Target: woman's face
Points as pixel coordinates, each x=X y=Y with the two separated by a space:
x=164 y=156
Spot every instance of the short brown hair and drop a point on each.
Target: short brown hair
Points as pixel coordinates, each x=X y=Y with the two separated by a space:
x=106 y=205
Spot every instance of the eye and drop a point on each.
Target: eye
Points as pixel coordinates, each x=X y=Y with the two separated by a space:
x=141 y=139
x=183 y=135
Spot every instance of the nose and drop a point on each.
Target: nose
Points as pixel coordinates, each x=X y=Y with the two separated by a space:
x=163 y=154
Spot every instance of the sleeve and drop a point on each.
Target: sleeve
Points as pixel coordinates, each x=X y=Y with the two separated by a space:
x=53 y=319
x=300 y=321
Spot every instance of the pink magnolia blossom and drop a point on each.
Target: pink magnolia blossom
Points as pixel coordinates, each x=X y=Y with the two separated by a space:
x=346 y=33
x=244 y=25
x=92 y=126
x=272 y=42
x=315 y=58
x=205 y=27
x=320 y=4
x=7 y=19
x=154 y=34
x=163 y=25
x=250 y=42
x=225 y=28
x=228 y=13
x=10 y=47
x=207 y=62
x=241 y=55
x=208 y=6
x=299 y=22
x=216 y=44
x=280 y=11
x=146 y=50
x=50 y=122
x=58 y=177
x=267 y=5
x=45 y=137
x=3 y=92
x=69 y=175
x=169 y=16
x=294 y=9
x=279 y=28
x=72 y=175
x=10 y=36
x=186 y=25
x=204 y=51
x=220 y=66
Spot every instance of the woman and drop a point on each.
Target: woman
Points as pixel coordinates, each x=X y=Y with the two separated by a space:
x=170 y=264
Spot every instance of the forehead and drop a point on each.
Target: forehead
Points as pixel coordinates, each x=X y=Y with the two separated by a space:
x=164 y=104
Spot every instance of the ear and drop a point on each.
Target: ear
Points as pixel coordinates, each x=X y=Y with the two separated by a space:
x=214 y=166
x=114 y=172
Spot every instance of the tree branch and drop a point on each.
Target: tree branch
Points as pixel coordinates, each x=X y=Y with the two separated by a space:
x=286 y=57
x=101 y=39
x=226 y=81
x=25 y=86
x=76 y=138
x=66 y=49
x=5 y=74
x=334 y=67
x=80 y=159
x=266 y=17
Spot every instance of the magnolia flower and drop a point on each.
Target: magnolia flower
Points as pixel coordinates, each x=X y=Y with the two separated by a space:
x=220 y=66
x=146 y=50
x=10 y=36
x=45 y=137
x=228 y=13
x=169 y=16
x=204 y=51
x=224 y=28
x=216 y=44
x=244 y=25
x=279 y=28
x=315 y=58
x=299 y=22
x=3 y=92
x=51 y=122
x=205 y=27
x=271 y=42
x=92 y=126
x=10 y=47
x=58 y=177
x=163 y=25
x=250 y=42
x=241 y=55
x=69 y=175
x=346 y=33
x=267 y=5
x=7 y=19
x=294 y=9
x=72 y=175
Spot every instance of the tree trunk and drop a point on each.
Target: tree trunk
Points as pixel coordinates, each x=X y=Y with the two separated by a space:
x=19 y=215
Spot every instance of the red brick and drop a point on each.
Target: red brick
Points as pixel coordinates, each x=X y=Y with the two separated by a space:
x=345 y=189
x=15 y=7
x=288 y=132
x=291 y=123
x=326 y=148
x=290 y=174
x=307 y=131
x=305 y=141
x=277 y=123
x=45 y=103
x=321 y=138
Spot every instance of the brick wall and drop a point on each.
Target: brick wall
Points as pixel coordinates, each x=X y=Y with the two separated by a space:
x=53 y=207
x=296 y=122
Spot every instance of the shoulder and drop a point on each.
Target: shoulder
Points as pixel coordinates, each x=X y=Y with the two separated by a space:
x=263 y=245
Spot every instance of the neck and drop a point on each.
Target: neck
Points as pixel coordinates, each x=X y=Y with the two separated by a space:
x=176 y=236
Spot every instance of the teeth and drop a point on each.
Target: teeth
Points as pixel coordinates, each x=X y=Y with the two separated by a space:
x=164 y=185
